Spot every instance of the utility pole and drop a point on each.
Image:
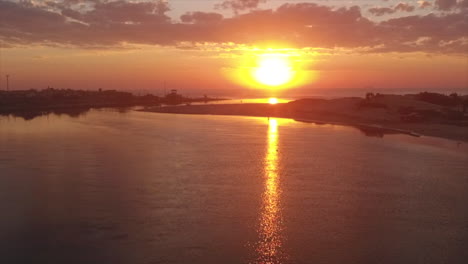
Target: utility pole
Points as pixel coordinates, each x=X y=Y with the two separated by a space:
x=8 y=82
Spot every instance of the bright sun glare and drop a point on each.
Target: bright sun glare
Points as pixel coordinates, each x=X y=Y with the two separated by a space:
x=273 y=70
x=273 y=100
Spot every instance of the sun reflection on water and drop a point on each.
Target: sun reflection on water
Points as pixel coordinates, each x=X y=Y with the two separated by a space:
x=270 y=241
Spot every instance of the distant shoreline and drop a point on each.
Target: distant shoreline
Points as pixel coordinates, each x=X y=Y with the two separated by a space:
x=372 y=125
x=31 y=103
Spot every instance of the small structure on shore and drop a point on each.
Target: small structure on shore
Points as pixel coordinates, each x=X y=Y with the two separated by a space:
x=173 y=98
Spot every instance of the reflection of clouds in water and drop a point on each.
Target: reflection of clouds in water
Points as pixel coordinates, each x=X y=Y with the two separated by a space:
x=270 y=240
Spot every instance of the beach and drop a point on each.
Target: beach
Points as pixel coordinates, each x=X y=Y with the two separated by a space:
x=376 y=121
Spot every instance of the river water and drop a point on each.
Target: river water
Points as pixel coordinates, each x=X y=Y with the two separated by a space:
x=133 y=187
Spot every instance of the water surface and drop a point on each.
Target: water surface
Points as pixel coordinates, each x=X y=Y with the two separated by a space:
x=112 y=187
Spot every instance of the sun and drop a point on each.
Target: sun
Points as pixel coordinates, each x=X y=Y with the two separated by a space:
x=273 y=70
x=272 y=100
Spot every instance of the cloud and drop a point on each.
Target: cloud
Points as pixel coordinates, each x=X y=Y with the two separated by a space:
x=404 y=7
x=404 y=33
x=423 y=4
x=117 y=23
x=380 y=11
x=121 y=12
x=239 y=5
x=463 y=4
x=201 y=17
x=445 y=4
x=451 y=4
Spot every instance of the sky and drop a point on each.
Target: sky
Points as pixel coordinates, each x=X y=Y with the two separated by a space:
x=195 y=45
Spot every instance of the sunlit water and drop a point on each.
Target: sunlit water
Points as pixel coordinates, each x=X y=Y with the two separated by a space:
x=246 y=101
x=135 y=187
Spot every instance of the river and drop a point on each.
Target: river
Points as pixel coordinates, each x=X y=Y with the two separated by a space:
x=132 y=187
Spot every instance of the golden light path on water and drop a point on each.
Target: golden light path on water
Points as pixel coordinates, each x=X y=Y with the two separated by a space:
x=270 y=242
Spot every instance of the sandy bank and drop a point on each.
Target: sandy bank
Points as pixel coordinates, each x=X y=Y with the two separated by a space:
x=366 y=122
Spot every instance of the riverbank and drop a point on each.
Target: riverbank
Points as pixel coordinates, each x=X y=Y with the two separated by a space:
x=31 y=103
x=345 y=111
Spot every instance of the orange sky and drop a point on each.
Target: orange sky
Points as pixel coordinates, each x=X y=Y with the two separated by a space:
x=339 y=47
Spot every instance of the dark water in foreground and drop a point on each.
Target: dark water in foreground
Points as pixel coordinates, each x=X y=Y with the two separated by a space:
x=111 y=187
